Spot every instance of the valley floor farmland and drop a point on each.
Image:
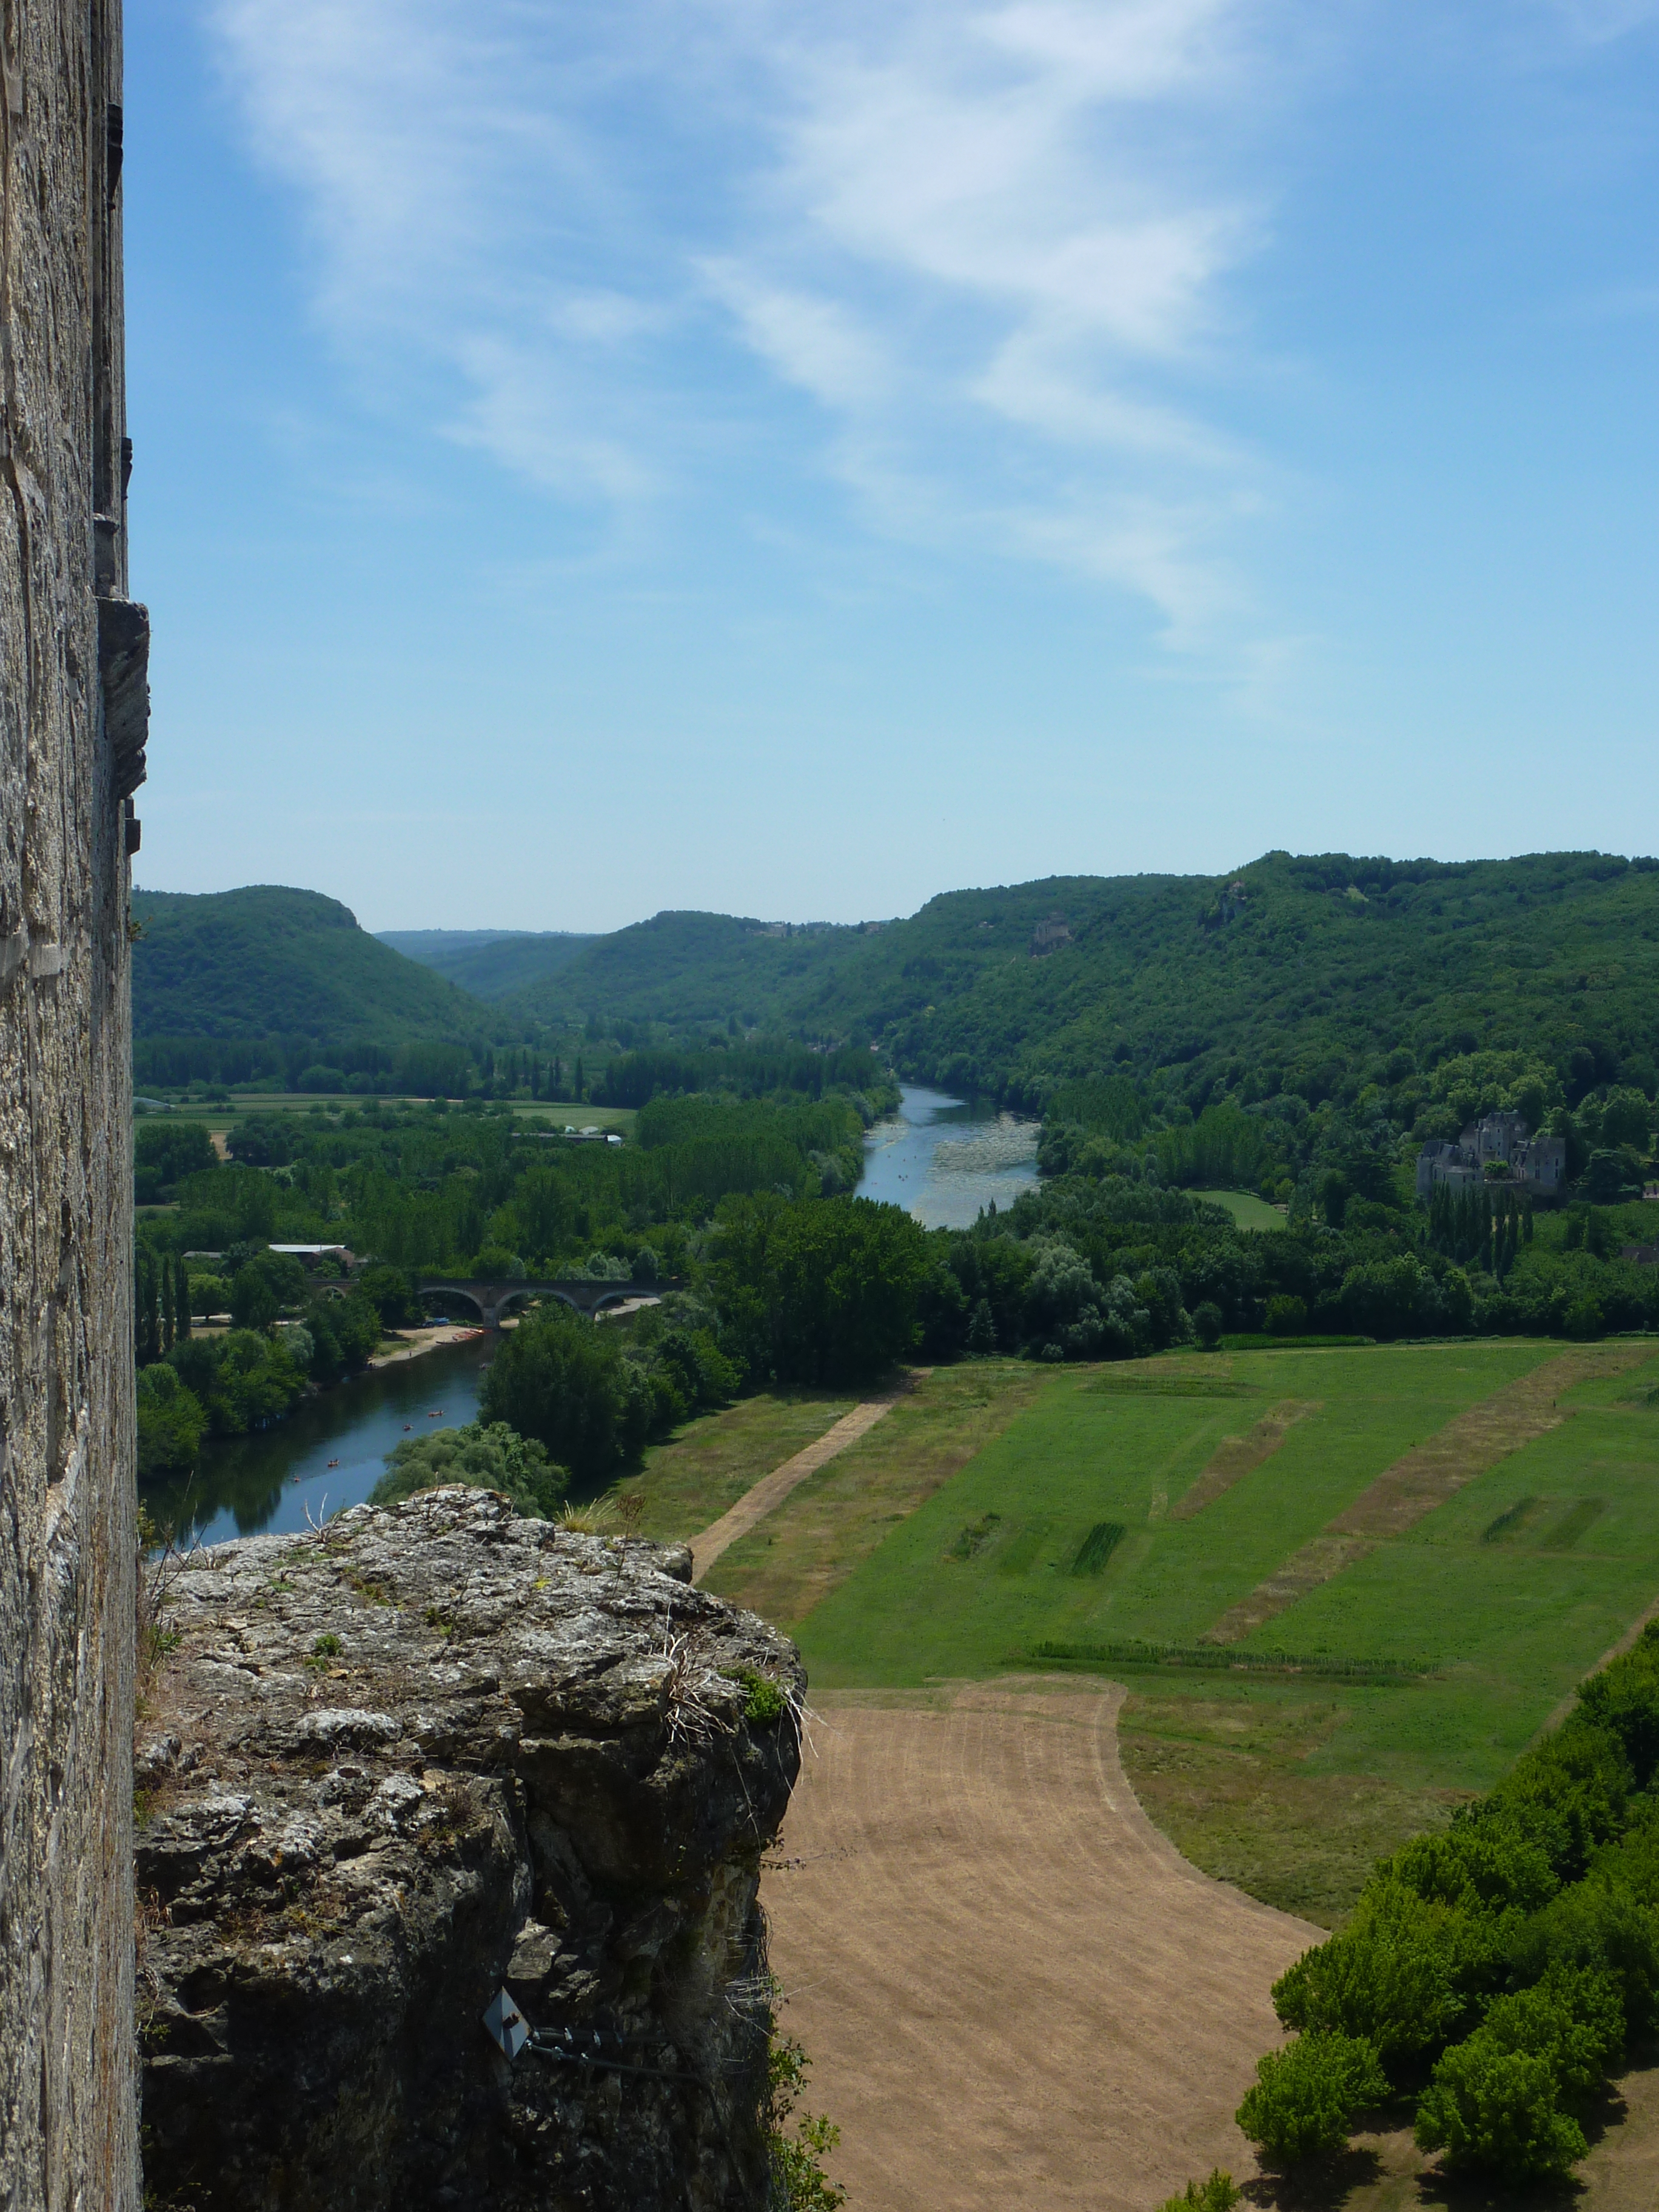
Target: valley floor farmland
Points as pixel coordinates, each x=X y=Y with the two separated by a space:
x=1015 y=1993
x=1068 y=1529
x=1484 y=1519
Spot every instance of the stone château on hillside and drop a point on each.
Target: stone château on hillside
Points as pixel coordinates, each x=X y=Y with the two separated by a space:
x=1048 y=936
x=1534 y=1165
x=74 y=708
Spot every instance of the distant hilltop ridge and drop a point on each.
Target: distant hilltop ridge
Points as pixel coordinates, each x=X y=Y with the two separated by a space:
x=1313 y=976
x=1295 y=973
x=268 y=961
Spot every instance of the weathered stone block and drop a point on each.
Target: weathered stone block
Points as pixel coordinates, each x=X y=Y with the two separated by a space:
x=389 y=1769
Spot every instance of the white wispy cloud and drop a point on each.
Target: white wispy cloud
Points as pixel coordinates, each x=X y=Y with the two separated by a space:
x=1598 y=21
x=992 y=245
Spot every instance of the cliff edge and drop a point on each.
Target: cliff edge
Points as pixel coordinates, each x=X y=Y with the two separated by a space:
x=429 y=1754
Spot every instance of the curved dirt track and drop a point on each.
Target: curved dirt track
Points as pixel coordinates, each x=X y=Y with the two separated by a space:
x=1016 y=1995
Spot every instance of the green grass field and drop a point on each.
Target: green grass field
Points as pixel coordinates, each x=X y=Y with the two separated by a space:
x=1065 y=1526
x=1248 y=1210
x=707 y=1465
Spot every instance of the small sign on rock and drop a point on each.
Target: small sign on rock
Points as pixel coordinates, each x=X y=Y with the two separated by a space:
x=507 y=2024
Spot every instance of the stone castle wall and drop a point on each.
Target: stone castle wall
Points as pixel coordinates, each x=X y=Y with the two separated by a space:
x=73 y=707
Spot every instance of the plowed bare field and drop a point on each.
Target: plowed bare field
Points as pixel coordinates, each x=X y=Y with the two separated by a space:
x=1017 y=1995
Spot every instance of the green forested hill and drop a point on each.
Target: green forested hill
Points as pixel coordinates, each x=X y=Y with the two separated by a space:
x=1323 y=962
x=490 y=964
x=678 y=968
x=268 y=962
x=1316 y=968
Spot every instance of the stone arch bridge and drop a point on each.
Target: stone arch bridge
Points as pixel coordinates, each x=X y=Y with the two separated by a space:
x=493 y=1301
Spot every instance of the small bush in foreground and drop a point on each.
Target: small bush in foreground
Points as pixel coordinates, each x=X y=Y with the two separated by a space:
x=797 y=2144
x=1219 y=2194
x=1306 y=2095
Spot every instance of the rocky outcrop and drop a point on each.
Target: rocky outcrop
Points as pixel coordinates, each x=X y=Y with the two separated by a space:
x=428 y=1754
x=68 y=2108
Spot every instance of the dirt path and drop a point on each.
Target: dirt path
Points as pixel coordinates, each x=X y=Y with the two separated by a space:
x=1425 y=1477
x=1016 y=1995
x=772 y=1489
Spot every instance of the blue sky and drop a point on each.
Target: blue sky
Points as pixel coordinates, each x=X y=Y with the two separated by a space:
x=596 y=455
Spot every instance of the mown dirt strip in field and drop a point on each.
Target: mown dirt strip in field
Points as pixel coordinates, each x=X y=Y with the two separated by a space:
x=1428 y=1474
x=1016 y=1995
x=1236 y=1456
x=831 y=1523
x=772 y=1489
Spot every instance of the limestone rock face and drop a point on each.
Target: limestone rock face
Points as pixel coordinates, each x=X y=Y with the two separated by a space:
x=430 y=1753
x=69 y=754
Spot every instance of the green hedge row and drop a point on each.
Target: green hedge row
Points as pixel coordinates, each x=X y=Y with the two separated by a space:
x=1216 y=1658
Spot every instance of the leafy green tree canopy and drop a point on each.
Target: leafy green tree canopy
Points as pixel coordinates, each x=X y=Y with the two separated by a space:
x=487 y=1457
x=560 y=1379
x=1306 y=2095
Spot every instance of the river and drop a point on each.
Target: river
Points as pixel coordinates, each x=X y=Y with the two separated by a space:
x=941 y=1159
x=273 y=1481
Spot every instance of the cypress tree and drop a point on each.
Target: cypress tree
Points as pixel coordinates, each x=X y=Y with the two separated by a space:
x=169 y=1324
x=181 y=1297
x=147 y=1332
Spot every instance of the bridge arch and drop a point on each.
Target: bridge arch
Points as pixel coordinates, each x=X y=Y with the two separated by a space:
x=585 y=1296
x=462 y=1293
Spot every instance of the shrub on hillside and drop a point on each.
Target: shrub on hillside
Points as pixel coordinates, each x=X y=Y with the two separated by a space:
x=1306 y=2095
